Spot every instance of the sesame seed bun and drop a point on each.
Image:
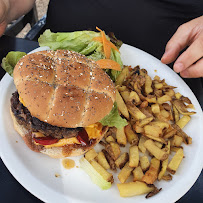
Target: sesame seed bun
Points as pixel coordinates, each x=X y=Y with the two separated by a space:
x=64 y=88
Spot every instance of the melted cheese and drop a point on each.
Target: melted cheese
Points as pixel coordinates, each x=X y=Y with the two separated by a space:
x=93 y=132
x=21 y=100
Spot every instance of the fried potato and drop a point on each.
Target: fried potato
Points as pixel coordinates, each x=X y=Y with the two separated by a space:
x=175 y=149
x=176 y=141
x=113 y=149
x=158 y=139
x=158 y=144
x=155 y=108
x=167 y=177
x=122 y=76
x=137 y=128
x=164 y=165
x=176 y=114
x=180 y=106
x=156 y=151
x=183 y=121
x=133 y=156
x=104 y=173
x=132 y=137
x=121 y=137
x=170 y=133
x=186 y=138
x=110 y=160
x=101 y=159
x=134 y=97
x=125 y=95
x=144 y=121
x=134 y=188
x=148 y=84
x=135 y=112
x=151 y=98
x=122 y=160
x=160 y=124
x=163 y=99
x=141 y=146
x=144 y=104
x=125 y=173
x=121 y=105
x=144 y=163
x=90 y=155
x=137 y=174
x=152 y=130
x=110 y=139
x=152 y=174
x=175 y=161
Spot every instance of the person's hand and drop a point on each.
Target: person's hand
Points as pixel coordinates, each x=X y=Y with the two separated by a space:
x=190 y=63
x=11 y=10
x=4 y=7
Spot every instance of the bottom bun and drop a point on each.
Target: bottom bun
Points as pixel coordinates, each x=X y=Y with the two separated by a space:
x=54 y=152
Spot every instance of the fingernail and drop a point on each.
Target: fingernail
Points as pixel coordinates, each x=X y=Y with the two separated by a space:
x=178 y=67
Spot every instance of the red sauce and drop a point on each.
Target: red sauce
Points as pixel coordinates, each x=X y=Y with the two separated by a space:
x=83 y=137
x=45 y=140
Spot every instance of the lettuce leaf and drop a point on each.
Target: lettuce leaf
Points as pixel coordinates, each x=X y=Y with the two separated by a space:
x=81 y=42
x=11 y=59
x=114 y=119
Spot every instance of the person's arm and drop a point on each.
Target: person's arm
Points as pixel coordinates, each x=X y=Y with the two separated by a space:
x=13 y=9
x=190 y=63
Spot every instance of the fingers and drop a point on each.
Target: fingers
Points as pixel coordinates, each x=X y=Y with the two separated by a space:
x=193 y=53
x=194 y=71
x=2 y=28
x=177 y=43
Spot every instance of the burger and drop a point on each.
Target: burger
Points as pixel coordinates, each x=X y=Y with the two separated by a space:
x=61 y=97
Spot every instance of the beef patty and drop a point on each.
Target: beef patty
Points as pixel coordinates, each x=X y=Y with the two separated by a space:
x=33 y=124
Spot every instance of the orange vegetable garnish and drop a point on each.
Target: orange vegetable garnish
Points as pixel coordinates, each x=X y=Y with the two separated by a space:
x=108 y=64
x=106 y=44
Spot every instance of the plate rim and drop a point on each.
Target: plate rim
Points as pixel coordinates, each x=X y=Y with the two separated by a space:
x=27 y=186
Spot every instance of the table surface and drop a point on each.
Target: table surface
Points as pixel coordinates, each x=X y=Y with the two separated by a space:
x=11 y=190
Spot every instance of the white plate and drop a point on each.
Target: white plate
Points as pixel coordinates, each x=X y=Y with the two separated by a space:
x=36 y=172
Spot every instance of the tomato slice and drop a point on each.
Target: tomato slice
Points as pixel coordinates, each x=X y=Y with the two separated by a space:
x=45 y=140
x=83 y=137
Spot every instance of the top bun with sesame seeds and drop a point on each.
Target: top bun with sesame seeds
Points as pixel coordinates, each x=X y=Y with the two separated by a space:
x=64 y=88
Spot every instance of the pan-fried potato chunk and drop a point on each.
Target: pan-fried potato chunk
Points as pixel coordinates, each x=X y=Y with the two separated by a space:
x=163 y=99
x=183 y=121
x=152 y=130
x=144 y=163
x=152 y=174
x=122 y=160
x=133 y=156
x=125 y=173
x=132 y=137
x=175 y=162
x=156 y=151
x=90 y=155
x=102 y=160
x=148 y=84
x=134 y=188
x=137 y=174
x=164 y=165
x=121 y=137
x=141 y=146
x=121 y=105
x=135 y=112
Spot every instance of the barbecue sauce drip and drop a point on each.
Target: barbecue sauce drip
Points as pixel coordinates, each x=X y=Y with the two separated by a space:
x=83 y=137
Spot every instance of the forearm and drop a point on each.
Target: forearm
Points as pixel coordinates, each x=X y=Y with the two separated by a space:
x=17 y=8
